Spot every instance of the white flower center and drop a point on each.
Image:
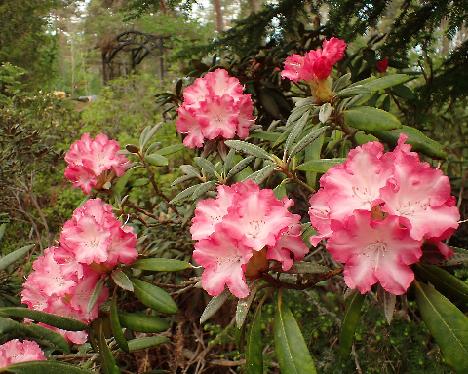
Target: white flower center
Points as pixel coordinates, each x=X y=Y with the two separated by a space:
x=254 y=228
x=363 y=193
x=410 y=207
x=375 y=251
x=222 y=261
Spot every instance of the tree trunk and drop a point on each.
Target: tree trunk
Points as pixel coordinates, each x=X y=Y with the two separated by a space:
x=254 y=6
x=219 y=15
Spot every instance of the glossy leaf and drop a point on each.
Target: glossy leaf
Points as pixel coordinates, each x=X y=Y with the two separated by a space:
x=116 y=327
x=154 y=297
x=143 y=323
x=386 y=81
x=156 y=159
x=38 y=332
x=291 y=349
x=43 y=367
x=243 y=307
x=169 y=150
x=14 y=256
x=214 y=305
x=248 y=148
x=108 y=364
x=122 y=280
x=296 y=131
x=185 y=194
x=95 y=295
x=161 y=264
x=446 y=323
x=260 y=175
x=320 y=166
x=308 y=268
x=50 y=319
x=146 y=342
x=306 y=140
x=203 y=189
x=254 y=347
x=367 y=118
x=312 y=152
x=241 y=165
x=350 y=322
x=206 y=165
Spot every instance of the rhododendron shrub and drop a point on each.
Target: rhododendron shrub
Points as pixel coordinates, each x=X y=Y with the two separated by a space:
x=64 y=278
x=377 y=209
x=242 y=220
x=92 y=163
x=15 y=351
x=214 y=107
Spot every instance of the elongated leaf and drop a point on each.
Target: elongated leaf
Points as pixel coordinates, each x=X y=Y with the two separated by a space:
x=14 y=256
x=308 y=268
x=166 y=151
x=214 y=305
x=313 y=152
x=354 y=90
x=229 y=160
x=241 y=165
x=206 y=165
x=185 y=194
x=50 y=319
x=270 y=136
x=418 y=140
x=444 y=282
x=342 y=82
x=161 y=264
x=260 y=175
x=296 y=130
x=147 y=134
x=203 y=189
x=325 y=112
x=115 y=326
x=142 y=323
x=291 y=349
x=306 y=140
x=122 y=280
x=386 y=81
x=446 y=323
x=38 y=332
x=254 y=347
x=320 y=166
x=95 y=295
x=2 y=230
x=156 y=160
x=190 y=170
x=248 y=148
x=119 y=186
x=367 y=118
x=43 y=367
x=243 y=307
x=108 y=364
x=154 y=297
x=350 y=322
x=146 y=342
x=389 y=302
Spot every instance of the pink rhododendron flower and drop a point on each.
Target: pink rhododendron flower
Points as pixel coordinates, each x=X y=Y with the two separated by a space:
x=315 y=65
x=93 y=162
x=95 y=235
x=242 y=220
x=374 y=251
x=395 y=189
x=214 y=107
x=15 y=351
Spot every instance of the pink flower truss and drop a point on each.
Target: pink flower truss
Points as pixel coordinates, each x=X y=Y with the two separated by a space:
x=214 y=107
x=95 y=235
x=92 y=162
x=377 y=209
x=15 y=351
x=242 y=219
x=63 y=279
x=315 y=65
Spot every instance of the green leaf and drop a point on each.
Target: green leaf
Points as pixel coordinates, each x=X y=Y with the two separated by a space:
x=14 y=256
x=270 y=136
x=260 y=175
x=228 y=161
x=119 y=186
x=42 y=333
x=214 y=305
x=320 y=166
x=206 y=165
x=2 y=230
x=354 y=90
x=154 y=297
x=43 y=367
x=166 y=151
x=189 y=170
x=389 y=302
x=95 y=295
x=308 y=268
x=306 y=140
x=342 y=82
x=386 y=81
x=296 y=130
x=362 y=138
x=453 y=288
x=147 y=134
x=446 y=323
x=156 y=159
x=312 y=152
x=241 y=165
x=367 y=118
x=418 y=140
x=122 y=280
x=183 y=195
x=248 y=148
x=142 y=323
x=108 y=364
x=203 y=189
x=161 y=264
x=115 y=326
x=243 y=307
x=254 y=347
x=350 y=322
x=325 y=112
x=291 y=349
x=49 y=319
x=280 y=191
x=146 y=342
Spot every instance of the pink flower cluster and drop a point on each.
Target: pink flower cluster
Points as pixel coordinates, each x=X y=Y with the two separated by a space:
x=91 y=163
x=63 y=279
x=214 y=106
x=315 y=65
x=377 y=209
x=241 y=221
x=15 y=351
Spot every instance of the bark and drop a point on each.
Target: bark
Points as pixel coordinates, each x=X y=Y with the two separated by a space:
x=254 y=6
x=218 y=15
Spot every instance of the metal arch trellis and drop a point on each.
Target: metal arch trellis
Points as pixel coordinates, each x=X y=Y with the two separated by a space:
x=139 y=45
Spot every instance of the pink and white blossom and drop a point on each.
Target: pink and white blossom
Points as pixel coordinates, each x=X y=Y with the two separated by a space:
x=16 y=351
x=214 y=107
x=93 y=162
